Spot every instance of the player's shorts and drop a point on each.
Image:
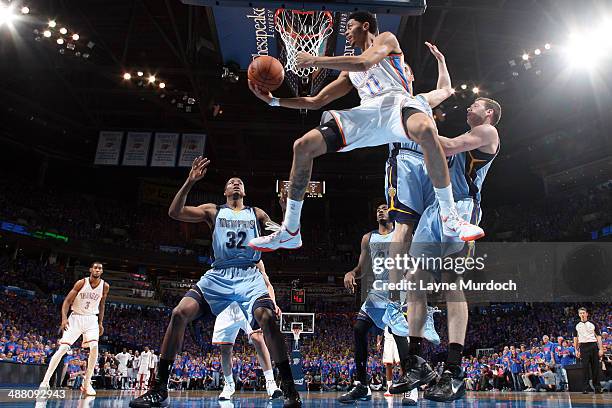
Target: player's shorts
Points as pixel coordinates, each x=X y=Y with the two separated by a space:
x=122 y=370
x=407 y=186
x=227 y=325
x=429 y=240
x=375 y=122
x=241 y=284
x=81 y=325
x=374 y=308
x=390 y=352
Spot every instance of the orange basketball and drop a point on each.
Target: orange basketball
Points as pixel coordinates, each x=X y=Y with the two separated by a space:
x=266 y=72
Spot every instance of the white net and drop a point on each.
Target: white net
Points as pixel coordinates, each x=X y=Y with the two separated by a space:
x=303 y=31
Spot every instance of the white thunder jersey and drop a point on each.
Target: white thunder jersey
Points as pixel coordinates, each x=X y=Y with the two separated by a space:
x=87 y=301
x=388 y=76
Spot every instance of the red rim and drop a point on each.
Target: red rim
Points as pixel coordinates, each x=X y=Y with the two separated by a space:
x=327 y=14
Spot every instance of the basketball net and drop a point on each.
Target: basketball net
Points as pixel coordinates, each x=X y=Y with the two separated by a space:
x=302 y=31
x=296 y=334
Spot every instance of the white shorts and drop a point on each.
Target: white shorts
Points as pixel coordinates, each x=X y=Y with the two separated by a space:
x=228 y=323
x=390 y=353
x=81 y=325
x=123 y=371
x=375 y=122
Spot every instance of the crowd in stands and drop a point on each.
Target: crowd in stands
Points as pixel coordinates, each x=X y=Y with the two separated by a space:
x=29 y=331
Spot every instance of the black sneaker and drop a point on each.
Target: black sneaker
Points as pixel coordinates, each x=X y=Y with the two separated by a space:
x=155 y=397
x=292 y=397
x=359 y=392
x=450 y=387
x=416 y=373
x=598 y=391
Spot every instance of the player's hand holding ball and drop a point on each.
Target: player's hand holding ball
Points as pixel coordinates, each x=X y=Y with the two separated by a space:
x=265 y=74
x=198 y=168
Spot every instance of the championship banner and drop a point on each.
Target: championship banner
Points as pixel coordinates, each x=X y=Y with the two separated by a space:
x=136 y=150
x=192 y=146
x=164 y=150
x=109 y=148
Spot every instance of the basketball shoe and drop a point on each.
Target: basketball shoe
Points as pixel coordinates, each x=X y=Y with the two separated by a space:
x=411 y=398
x=88 y=390
x=455 y=226
x=416 y=373
x=273 y=391
x=292 y=397
x=359 y=392
x=281 y=238
x=450 y=387
x=395 y=319
x=228 y=390
x=155 y=397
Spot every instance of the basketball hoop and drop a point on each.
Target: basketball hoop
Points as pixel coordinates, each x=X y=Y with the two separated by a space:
x=302 y=31
x=296 y=333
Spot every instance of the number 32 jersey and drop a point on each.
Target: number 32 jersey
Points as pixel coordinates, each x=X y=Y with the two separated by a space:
x=233 y=231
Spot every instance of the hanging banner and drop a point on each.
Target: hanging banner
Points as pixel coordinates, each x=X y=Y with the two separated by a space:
x=192 y=146
x=109 y=148
x=164 y=150
x=136 y=150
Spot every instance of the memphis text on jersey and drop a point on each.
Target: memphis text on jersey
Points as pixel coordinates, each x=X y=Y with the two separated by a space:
x=236 y=224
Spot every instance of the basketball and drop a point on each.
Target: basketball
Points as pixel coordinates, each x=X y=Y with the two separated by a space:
x=266 y=72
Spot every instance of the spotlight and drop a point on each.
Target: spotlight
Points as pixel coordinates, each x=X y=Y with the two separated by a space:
x=584 y=50
x=191 y=101
x=90 y=45
x=25 y=10
x=70 y=46
x=537 y=51
x=547 y=46
x=127 y=76
x=151 y=79
x=6 y=14
x=52 y=23
x=140 y=73
x=63 y=31
x=60 y=41
x=76 y=37
x=47 y=33
x=525 y=57
x=463 y=86
x=475 y=90
x=86 y=55
x=162 y=85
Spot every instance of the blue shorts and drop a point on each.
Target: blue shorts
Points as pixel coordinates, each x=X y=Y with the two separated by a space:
x=243 y=285
x=407 y=186
x=374 y=307
x=428 y=238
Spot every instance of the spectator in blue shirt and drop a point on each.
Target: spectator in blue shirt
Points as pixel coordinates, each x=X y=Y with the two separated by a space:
x=547 y=349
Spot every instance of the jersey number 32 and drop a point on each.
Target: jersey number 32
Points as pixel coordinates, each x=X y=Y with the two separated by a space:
x=231 y=236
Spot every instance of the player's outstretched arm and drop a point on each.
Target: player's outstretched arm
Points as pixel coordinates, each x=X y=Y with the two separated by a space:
x=358 y=271
x=384 y=44
x=178 y=210
x=479 y=137
x=444 y=88
x=334 y=90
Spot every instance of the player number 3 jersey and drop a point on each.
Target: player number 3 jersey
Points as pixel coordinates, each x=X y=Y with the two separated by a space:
x=87 y=301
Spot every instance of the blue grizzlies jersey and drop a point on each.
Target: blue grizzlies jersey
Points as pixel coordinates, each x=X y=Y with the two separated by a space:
x=379 y=250
x=468 y=171
x=232 y=233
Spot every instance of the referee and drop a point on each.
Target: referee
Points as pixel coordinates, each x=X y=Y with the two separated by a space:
x=587 y=342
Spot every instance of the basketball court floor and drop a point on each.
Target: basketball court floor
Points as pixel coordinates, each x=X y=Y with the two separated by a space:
x=182 y=399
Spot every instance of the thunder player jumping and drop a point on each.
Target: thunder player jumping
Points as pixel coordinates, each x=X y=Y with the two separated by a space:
x=388 y=113
x=233 y=278
x=86 y=301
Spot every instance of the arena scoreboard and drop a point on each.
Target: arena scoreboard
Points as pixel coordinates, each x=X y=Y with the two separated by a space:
x=315 y=189
x=298 y=296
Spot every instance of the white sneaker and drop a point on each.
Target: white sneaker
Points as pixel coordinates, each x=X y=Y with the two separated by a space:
x=411 y=397
x=281 y=238
x=228 y=390
x=44 y=386
x=273 y=391
x=455 y=226
x=388 y=393
x=88 y=390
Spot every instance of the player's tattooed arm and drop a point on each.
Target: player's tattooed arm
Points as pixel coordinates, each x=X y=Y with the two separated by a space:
x=102 y=307
x=361 y=269
x=384 y=44
x=482 y=137
x=202 y=213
